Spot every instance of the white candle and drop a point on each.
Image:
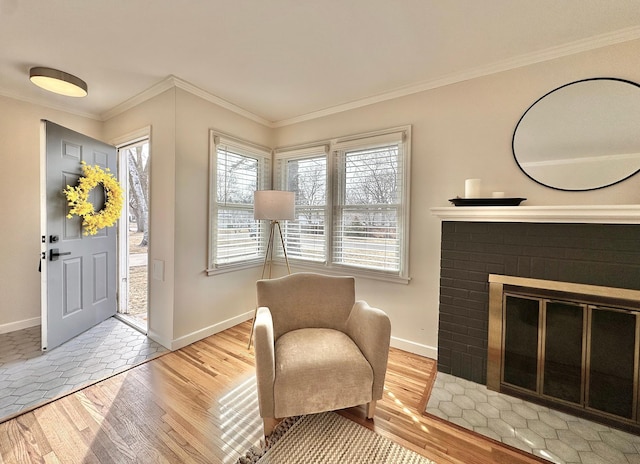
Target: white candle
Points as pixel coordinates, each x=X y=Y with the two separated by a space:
x=472 y=188
x=497 y=194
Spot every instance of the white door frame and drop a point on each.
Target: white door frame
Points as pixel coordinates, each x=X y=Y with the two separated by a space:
x=123 y=226
x=123 y=229
x=44 y=307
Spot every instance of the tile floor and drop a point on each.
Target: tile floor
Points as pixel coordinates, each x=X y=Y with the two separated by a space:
x=552 y=435
x=29 y=377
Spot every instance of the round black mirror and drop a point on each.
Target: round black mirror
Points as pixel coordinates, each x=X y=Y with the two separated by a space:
x=584 y=135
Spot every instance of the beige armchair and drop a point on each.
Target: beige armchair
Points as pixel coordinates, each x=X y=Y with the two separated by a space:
x=316 y=348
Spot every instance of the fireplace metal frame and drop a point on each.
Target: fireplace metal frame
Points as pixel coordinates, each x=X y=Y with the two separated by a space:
x=590 y=298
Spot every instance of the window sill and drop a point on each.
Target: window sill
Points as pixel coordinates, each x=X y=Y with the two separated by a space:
x=303 y=266
x=233 y=267
x=345 y=270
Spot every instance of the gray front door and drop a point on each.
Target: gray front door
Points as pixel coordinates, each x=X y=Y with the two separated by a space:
x=78 y=271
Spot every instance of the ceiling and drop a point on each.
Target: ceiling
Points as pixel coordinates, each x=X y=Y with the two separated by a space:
x=287 y=60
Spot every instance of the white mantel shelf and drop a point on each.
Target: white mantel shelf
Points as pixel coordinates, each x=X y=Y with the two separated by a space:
x=598 y=214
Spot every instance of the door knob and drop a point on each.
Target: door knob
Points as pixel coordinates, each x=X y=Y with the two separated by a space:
x=54 y=253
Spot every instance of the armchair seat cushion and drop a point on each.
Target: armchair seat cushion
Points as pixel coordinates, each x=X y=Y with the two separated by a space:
x=319 y=369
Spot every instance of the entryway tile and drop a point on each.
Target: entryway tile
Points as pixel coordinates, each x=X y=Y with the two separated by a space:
x=29 y=377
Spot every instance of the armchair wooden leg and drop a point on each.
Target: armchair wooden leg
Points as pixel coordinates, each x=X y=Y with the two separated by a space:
x=269 y=423
x=371 y=409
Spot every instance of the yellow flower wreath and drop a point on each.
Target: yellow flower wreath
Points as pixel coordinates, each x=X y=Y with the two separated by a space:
x=78 y=199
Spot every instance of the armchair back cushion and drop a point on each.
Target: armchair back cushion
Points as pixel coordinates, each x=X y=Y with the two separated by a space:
x=306 y=300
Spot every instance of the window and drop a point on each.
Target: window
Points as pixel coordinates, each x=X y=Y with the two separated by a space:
x=305 y=173
x=238 y=169
x=369 y=208
x=352 y=203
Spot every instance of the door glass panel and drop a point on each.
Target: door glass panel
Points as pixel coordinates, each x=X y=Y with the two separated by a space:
x=521 y=342
x=563 y=351
x=612 y=362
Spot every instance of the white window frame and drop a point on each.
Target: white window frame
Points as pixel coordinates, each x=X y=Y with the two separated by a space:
x=401 y=135
x=245 y=148
x=281 y=179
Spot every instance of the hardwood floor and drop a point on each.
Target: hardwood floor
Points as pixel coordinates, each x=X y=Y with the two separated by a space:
x=198 y=405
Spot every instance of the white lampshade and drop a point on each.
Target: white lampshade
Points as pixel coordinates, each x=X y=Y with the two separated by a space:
x=274 y=205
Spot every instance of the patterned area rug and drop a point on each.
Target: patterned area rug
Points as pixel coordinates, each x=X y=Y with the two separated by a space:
x=329 y=438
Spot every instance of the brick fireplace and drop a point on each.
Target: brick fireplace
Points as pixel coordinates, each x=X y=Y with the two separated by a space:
x=584 y=245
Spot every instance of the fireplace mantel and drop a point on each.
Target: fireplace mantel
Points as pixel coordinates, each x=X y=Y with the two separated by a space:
x=594 y=214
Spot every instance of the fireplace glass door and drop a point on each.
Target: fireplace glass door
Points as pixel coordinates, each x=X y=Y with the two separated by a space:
x=613 y=357
x=573 y=353
x=564 y=351
x=521 y=343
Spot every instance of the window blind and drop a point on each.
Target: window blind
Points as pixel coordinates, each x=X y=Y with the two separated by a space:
x=368 y=227
x=352 y=202
x=306 y=237
x=239 y=172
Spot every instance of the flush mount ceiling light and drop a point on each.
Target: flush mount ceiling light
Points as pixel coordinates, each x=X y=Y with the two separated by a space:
x=58 y=82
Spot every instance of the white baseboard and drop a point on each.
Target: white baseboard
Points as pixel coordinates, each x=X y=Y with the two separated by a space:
x=19 y=325
x=400 y=343
x=416 y=348
x=207 y=331
x=159 y=339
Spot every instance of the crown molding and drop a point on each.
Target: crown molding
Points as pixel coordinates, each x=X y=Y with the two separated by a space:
x=44 y=103
x=184 y=85
x=571 y=48
x=578 y=46
x=153 y=91
x=171 y=82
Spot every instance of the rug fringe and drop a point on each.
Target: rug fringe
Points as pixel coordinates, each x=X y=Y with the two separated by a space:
x=254 y=454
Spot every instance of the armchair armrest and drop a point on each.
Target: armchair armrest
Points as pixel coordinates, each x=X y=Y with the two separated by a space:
x=264 y=349
x=370 y=329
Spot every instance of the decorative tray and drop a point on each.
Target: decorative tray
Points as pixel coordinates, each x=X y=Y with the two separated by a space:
x=486 y=201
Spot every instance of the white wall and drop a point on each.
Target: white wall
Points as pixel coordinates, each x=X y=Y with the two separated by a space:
x=20 y=206
x=205 y=304
x=159 y=114
x=464 y=131
x=459 y=131
x=187 y=305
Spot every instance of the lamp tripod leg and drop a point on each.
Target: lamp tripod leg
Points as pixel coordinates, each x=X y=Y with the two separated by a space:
x=253 y=323
x=269 y=251
x=284 y=249
x=264 y=268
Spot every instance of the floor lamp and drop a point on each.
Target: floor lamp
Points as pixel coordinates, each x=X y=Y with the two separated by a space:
x=274 y=206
